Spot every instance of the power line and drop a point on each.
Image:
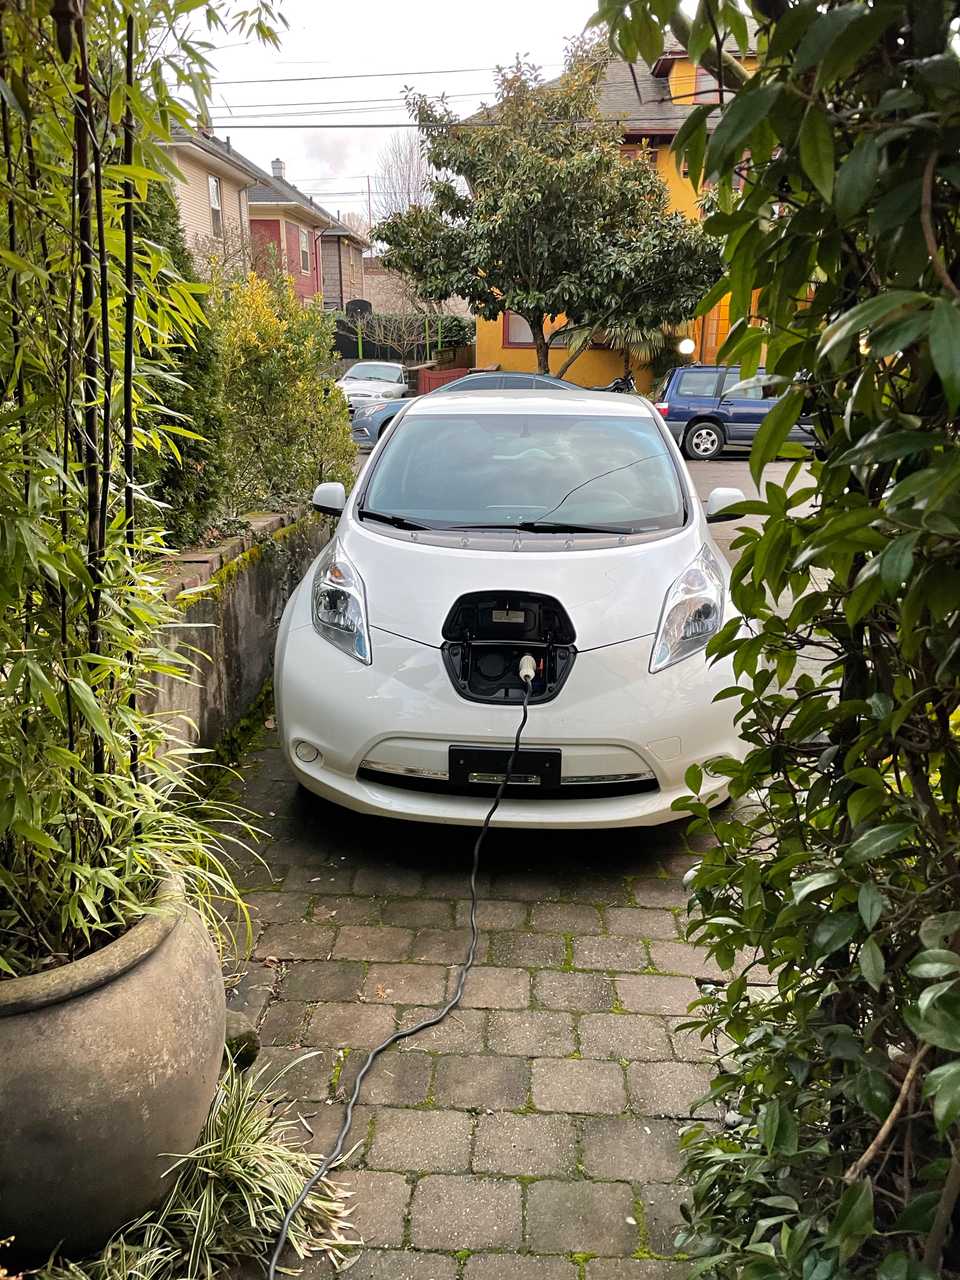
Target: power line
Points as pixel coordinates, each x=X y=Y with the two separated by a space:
x=336 y=102
x=363 y=75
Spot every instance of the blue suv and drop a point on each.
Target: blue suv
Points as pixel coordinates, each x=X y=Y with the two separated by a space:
x=704 y=418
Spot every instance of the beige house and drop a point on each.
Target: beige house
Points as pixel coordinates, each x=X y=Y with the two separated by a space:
x=213 y=194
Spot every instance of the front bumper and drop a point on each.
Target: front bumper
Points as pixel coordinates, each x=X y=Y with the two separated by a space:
x=361 y=435
x=612 y=718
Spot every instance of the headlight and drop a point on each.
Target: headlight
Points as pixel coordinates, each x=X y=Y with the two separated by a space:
x=340 y=604
x=692 y=612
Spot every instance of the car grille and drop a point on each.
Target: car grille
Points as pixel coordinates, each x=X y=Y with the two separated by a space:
x=569 y=789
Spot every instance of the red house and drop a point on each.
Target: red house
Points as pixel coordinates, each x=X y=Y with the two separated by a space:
x=289 y=230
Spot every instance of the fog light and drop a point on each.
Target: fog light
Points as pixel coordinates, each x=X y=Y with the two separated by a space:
x=306 y=752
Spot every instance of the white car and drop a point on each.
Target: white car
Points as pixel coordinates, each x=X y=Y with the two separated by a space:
x=373 y=380
x=487 y=526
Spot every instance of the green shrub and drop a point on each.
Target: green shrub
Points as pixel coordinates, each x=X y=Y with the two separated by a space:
x=287 y=427
x=187 y=482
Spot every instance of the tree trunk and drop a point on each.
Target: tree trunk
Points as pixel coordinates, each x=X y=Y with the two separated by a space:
x=726 y=69
x=539 y=342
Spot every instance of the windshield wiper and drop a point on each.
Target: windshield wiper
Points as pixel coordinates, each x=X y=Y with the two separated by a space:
x=387 y=517
x=562 y=526
x=547 y=526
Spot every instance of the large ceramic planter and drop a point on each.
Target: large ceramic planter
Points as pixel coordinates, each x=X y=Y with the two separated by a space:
x=107 y=1066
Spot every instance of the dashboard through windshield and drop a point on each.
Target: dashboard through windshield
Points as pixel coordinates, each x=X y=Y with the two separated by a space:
x=536 y=472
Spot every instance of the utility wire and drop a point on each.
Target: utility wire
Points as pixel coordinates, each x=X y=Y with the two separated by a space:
x=363 y=75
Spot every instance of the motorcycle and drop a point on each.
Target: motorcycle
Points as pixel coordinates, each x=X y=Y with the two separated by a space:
x=625 y=385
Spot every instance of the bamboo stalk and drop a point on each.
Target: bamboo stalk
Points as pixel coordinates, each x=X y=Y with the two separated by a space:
x=129 y=316
x=88 y=378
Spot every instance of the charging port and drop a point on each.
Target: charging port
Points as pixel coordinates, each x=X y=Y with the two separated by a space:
x=486 y=635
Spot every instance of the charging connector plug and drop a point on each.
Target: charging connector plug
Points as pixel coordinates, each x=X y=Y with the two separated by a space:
x=528 y=668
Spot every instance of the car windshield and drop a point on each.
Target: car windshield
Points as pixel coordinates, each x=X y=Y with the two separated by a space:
x=560 y=472
x=371 y=372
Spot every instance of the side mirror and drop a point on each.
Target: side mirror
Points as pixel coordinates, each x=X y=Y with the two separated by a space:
x=718 y=502
x=330 y=498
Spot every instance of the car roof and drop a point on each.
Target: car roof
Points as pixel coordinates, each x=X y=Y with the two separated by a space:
x=539 y=401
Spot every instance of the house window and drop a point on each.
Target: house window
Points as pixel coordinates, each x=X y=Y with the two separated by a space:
x=216 y=204
x=519 y=333
x=304 y=252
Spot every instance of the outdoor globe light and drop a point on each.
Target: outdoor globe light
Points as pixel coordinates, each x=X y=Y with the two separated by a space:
x=686 y=346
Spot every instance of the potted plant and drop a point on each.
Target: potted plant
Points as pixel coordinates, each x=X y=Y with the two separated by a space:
x=111 y=1001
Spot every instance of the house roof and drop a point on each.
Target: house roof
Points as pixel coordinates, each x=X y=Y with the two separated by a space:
x=641 y=101
x=639 y=97
x=218 y=149
x=277 y=191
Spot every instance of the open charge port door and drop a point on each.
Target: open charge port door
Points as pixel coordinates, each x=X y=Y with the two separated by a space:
x=486 y=634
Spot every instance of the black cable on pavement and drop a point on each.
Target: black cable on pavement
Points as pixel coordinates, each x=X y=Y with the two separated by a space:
x=432 y=1021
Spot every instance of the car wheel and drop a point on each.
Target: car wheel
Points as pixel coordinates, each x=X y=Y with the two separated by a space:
x=702 y=440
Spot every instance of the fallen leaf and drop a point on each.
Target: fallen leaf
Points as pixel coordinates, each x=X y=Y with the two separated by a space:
x=381 y=992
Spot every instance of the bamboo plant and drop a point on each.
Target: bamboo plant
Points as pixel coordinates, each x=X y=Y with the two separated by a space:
x=91 y=318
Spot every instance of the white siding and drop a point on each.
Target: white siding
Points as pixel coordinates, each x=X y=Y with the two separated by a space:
x=193 y=197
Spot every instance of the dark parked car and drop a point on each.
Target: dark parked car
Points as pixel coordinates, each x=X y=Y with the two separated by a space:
x=704 y=418
x=371 y=420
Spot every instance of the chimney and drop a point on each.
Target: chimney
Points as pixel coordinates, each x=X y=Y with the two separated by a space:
x=278 y=168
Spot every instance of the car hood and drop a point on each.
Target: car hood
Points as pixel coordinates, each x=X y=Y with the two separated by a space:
x=366 y=386
x=612 y=594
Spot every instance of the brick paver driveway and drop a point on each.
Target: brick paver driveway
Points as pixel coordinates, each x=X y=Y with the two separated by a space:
x=533 y=1135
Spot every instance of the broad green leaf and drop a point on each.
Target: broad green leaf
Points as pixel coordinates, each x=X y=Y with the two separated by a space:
x=773 y=431
x=832 y=933
x=737 y=122
x=816 y=149
x=769 y=1123
x=945 y=349
x=694 y=778
x=853 y=1221
x=917 y=1217
x=943 y=1085
x=878 y=842
x=871 y=904
x=936 y=963
x=824 y=33
x=856 y=178
x=897 y=561
x=935 y=930
x=814 y=884
x=866 y=315
x=872 y=963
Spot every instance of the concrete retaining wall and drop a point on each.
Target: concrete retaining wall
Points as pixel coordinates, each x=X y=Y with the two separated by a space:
x=228 y=632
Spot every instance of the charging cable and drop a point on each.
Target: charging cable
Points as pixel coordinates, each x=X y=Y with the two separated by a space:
x=527 y=670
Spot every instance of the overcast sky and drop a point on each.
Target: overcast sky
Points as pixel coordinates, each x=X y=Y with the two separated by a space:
x=464 y=43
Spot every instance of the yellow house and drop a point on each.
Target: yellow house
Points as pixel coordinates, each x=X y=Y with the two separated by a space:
x=650 y=118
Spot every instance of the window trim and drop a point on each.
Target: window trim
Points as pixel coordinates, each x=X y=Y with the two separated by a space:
x=304 y=244
x=215 y=198
x=506 y=339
